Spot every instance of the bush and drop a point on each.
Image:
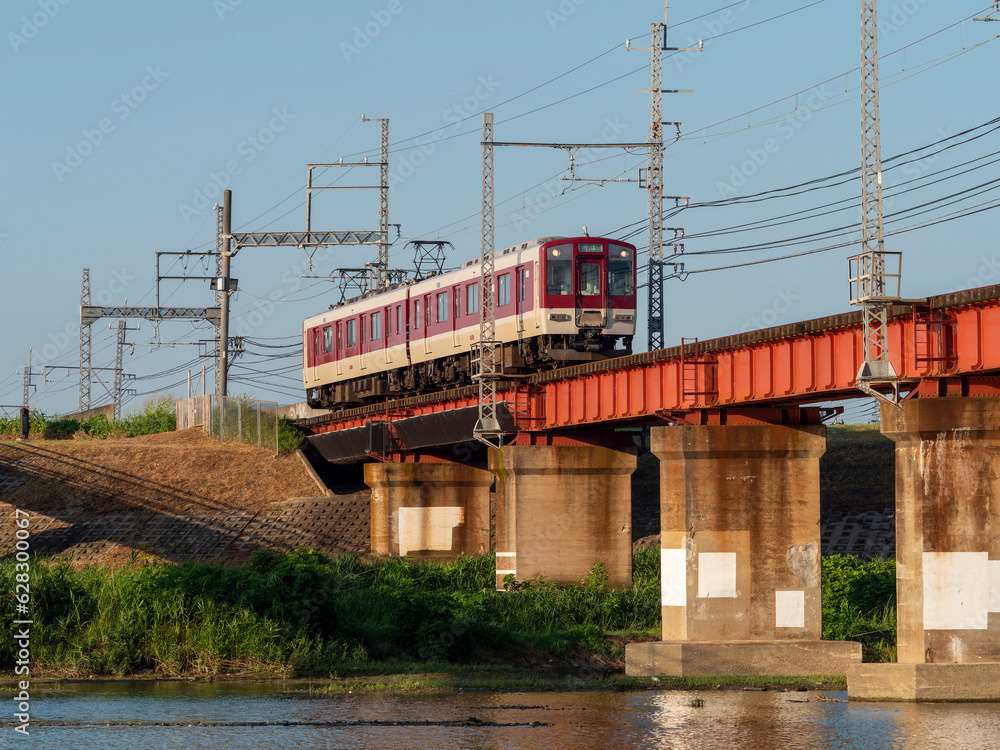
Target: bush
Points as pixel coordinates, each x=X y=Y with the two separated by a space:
x=859 y=604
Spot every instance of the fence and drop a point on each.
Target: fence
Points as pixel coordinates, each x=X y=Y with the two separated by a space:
x=231 y=418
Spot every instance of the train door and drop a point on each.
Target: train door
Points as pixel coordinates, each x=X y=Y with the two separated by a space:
x=428 y=313
x=520 y=297
x=315 y=342
x=386 y=330
x=456 y=314
x=338 y=350
x=591 y=291
x=403 y=318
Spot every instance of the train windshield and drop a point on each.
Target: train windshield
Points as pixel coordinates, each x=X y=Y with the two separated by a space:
x=620 y=271
x=590 y=278
x=559 y=279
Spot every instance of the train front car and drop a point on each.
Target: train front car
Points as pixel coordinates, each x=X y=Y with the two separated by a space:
x=588 y=299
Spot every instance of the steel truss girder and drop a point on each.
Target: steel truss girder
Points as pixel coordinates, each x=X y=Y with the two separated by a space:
x=90 y=314
x=306 y=239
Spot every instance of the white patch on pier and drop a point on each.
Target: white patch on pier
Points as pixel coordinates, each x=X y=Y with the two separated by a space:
x=717 y=575
x=958 y=590
x=427 y=528
x=789 y=609
x=673 y=577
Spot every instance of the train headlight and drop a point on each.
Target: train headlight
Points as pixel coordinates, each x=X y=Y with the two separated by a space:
x=623 y=318
x=558 y=316
x=556 y=252
x=624 y=253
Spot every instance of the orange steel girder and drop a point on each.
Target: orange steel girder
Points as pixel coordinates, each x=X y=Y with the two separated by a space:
x=798 y=364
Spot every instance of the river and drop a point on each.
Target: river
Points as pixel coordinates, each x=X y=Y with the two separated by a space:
x=96 y=716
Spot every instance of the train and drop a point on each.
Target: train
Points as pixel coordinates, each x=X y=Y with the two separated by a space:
x=559 y=301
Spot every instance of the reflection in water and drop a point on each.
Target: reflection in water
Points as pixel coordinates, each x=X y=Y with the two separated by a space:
x=588 y=721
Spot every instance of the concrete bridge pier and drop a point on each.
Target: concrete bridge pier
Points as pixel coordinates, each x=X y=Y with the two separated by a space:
x=740 y=553
x=562 y=508
x=429 y=510
x=947 y=554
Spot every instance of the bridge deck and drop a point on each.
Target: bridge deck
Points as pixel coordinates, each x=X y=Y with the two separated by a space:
x=808 y=362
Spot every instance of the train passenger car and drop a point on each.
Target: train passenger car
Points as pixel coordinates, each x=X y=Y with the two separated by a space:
x=558 y=301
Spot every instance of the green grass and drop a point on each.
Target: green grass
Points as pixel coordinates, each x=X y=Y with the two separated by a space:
x=859 y=604
x=307 y=613
x=158 y=415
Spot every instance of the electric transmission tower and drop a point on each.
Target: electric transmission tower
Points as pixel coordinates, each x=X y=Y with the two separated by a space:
x=873 y=286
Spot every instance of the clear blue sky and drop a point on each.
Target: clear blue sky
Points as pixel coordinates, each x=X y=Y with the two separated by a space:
x=122 y=120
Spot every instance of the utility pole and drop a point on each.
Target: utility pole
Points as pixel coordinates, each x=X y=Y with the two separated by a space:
x=869 y=279
x=28 y=374
x=119 y=376
x=654 y=173
x=222 y=288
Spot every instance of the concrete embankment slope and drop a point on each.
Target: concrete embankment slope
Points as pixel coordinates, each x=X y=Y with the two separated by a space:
x=179 y=496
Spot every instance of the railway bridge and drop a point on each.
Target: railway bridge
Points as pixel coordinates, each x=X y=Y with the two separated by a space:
x=737 y=424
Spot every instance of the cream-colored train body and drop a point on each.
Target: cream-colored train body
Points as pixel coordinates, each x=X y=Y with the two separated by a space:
x=559 y=301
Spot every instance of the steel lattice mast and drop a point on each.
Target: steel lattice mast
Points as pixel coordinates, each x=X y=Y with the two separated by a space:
x=487 y=429
x=84 y=345
x=655 y=185
x=869 y=278
x=654 y=172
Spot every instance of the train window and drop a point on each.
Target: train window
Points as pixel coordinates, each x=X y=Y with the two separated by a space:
x=620 y=277
x=442 y=302
x=522 y=283
x=472 y=298
x=458 y=303
x=590 y=278
x=327 y=340
x=503 y=290
x=416 y=313
x=559 y=274
x=351 y=336
x=376 y=326
x=399 y=318
x=340 y=338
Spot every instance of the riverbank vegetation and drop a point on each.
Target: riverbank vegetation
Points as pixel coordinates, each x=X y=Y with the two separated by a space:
x=157 y=416
x=307 y=613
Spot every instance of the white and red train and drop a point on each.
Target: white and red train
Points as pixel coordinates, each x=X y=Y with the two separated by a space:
x=559 y=301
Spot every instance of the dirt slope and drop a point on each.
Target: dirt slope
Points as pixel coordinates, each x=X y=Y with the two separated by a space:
x=174 y=495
